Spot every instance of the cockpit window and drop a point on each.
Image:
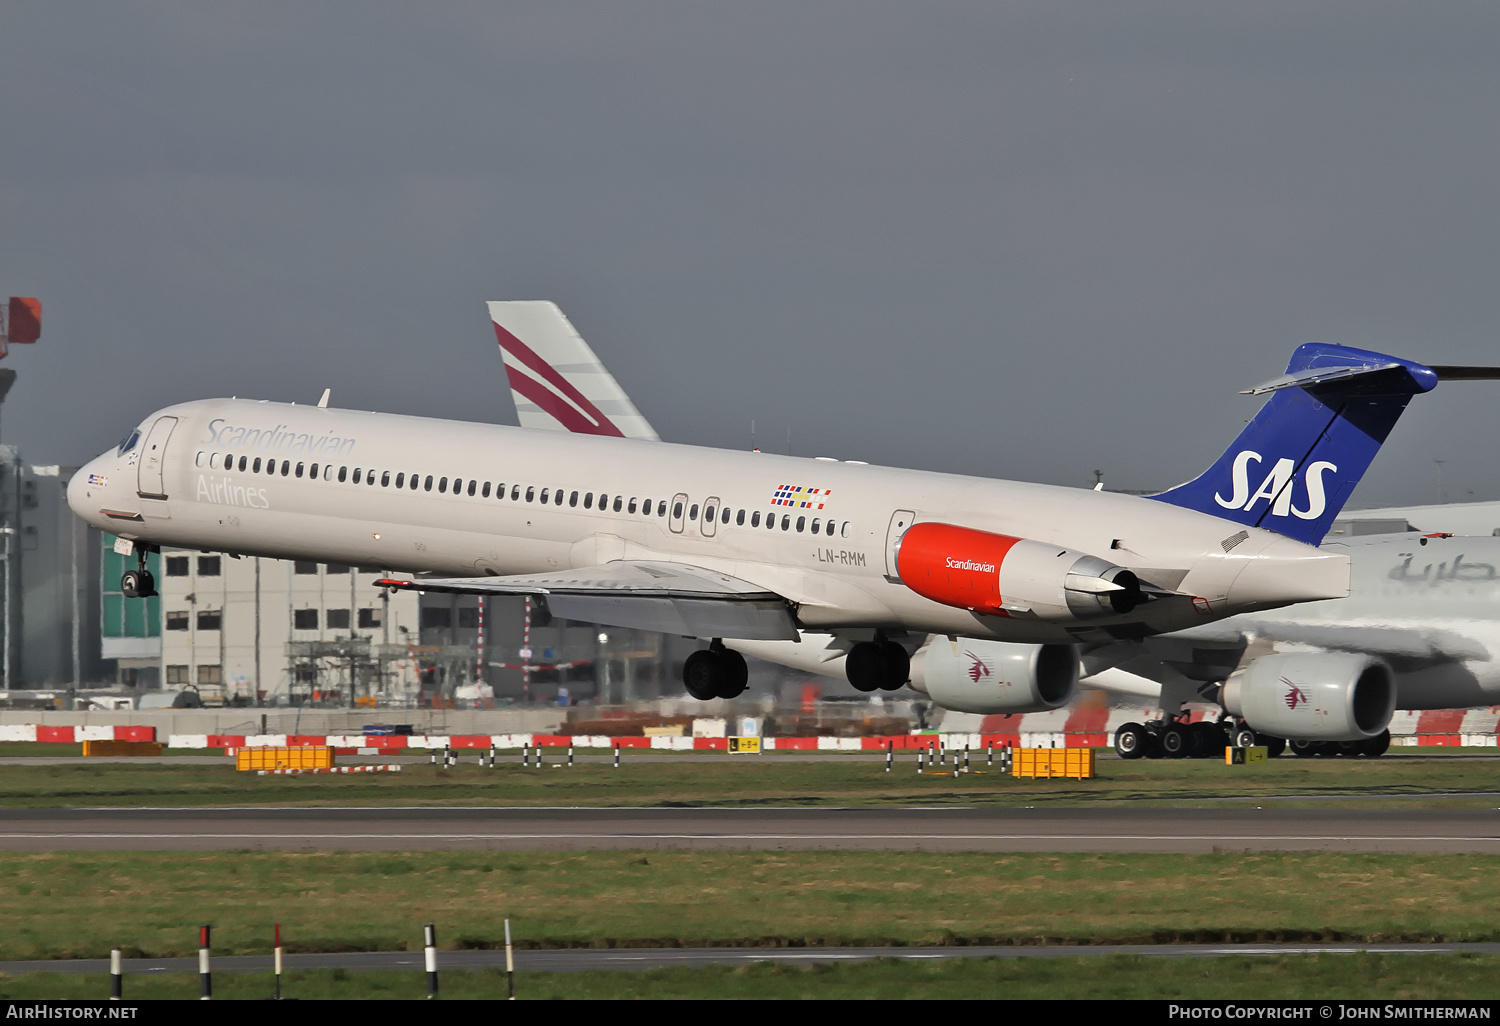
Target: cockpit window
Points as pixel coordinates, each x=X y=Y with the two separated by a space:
x=129 y=442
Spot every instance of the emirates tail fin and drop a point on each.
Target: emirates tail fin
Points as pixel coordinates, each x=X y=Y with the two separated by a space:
x=556 y=380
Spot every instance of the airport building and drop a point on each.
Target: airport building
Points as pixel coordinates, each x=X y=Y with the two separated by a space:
x=255 y=631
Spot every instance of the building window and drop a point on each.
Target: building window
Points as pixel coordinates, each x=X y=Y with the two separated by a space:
x=177 y=675
x=208 y=566
x=336 y=568
x=178 y=566
x=337 y=619
x=468 y=616
x=210 y=674
x=436 y=617
x=177 y=621
x=305 y=619
x=369 y=618
x=301 y=567
x=208 y=619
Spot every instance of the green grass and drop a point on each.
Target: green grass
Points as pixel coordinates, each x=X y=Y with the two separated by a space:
x=1307 y=977
x=1401 y=780
x=80 y=904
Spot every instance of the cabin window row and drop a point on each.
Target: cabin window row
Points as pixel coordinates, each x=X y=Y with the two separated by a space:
x=530 y=493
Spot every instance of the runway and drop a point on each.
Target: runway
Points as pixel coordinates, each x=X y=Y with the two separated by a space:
x=566 y=960
x=1242 y=829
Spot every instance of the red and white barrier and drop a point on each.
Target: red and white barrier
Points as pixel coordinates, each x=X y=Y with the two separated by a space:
x=71 y=735
x=1091 y=727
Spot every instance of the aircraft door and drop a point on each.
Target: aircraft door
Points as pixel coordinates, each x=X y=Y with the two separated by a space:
x=900 y=521
x=679 y=507
x=153 y=457
x=710 y=516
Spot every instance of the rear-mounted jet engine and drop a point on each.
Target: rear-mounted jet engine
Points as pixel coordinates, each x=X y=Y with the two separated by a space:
x=1005 y=576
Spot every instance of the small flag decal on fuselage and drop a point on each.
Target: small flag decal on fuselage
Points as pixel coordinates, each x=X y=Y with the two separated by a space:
x=98 y=479
x=800 y=496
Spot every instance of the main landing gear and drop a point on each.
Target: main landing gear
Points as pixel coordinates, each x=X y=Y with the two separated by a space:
x=879 y=665
x=715 y=672
x=138 y=583
x=1172 y=739
x=1370 y=747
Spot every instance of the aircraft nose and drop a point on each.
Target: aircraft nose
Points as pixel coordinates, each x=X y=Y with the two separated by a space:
x=90 y=479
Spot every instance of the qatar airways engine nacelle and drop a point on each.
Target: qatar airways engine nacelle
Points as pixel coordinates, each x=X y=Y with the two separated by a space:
x=994 y=677
x=1004 y=576
x=1328 y=696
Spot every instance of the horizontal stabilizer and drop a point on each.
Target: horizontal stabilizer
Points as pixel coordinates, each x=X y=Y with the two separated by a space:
x=1452 y=372
x=668 y=598
x=1318 y=376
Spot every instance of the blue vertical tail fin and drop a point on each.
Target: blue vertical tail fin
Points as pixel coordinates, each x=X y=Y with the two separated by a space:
x=1294 y=466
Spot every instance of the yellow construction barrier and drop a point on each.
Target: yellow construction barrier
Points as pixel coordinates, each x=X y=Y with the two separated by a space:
x=122 y=748
x=1047 y=763
x=308 y=757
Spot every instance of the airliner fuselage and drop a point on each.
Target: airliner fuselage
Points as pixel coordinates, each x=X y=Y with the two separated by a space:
x=425 y=496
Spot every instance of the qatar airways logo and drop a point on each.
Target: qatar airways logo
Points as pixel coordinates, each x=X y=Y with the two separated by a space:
x=978 y=669
x=1276 y=487
x=970 y=564
x=225 y=435
x=1295 y=696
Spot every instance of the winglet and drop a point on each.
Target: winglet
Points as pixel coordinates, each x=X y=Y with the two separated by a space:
x=556 y=380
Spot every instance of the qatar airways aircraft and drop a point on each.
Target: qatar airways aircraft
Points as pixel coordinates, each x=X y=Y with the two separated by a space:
x=741 y=547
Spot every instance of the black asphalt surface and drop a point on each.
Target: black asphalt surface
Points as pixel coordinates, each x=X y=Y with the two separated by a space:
x=1124 y=829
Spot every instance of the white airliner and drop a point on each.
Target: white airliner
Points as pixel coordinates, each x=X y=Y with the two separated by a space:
x=1418 y=630
x=743 y=547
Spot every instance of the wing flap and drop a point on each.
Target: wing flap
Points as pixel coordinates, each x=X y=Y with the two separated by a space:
x=668 y=598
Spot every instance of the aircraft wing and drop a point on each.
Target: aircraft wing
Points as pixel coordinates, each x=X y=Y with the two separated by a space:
x=669 y=598
x=1408 y=644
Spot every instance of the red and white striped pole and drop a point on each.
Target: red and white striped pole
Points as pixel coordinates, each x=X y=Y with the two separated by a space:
x=205 y=977
x=277 y=960
x=526 y=648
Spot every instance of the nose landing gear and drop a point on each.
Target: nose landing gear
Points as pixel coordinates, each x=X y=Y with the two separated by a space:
x=140 y=582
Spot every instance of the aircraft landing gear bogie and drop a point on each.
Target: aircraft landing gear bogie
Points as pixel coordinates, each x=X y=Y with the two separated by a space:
x=715 y=672
x=879 y=665
x=1171 y=739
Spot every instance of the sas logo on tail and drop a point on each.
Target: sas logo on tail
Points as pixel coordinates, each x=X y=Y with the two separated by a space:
x=1276 y=487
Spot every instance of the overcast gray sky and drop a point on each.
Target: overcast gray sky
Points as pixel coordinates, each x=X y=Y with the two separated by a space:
x=1013 y=239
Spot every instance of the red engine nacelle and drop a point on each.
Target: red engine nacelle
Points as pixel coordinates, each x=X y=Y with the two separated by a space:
x=1005 y=576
